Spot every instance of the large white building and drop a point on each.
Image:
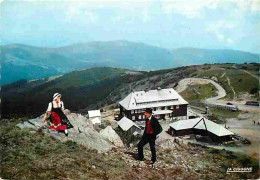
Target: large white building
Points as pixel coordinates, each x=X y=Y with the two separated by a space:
x=164 y=102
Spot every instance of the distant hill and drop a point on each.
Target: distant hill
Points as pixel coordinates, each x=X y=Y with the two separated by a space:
x=98 y=87
x=191 y=56
x=28 y=62
x=78 y=89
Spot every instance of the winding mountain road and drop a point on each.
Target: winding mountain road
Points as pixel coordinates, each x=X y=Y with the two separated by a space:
x=184 y=83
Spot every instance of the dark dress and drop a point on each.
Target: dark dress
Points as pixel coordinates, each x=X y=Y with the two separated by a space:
x=63 y=117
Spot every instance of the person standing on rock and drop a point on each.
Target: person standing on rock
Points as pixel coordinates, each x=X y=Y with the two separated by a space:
x=60 y=121
x=152 y=129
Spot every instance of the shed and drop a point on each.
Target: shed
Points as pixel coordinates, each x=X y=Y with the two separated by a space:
x=128 y=125
x=201 y=126
x=96 y=121
x=94 y=114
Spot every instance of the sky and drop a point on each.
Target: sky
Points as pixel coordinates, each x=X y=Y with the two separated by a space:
x=171 y=24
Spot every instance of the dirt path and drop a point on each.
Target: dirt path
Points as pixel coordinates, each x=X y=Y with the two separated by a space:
x=231 y=87
x=253 y=75
x=248 y=129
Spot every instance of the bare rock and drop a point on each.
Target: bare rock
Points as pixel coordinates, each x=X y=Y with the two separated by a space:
x=112 y=136
x=167 y=143
x=37 y=122
x=82 y=132
x=26 y=124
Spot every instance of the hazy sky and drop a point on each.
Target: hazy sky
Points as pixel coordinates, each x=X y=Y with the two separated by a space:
x=233 y=24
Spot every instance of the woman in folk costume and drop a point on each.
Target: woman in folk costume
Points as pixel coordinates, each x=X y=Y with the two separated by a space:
x=59 y=120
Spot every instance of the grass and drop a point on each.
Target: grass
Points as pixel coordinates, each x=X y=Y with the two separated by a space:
x=219 y=115
x=222 y=80
x=224 y=113
x=241 y=81
x=252 y=68
x=27 y=155
x=205 y=90
x=236 y=160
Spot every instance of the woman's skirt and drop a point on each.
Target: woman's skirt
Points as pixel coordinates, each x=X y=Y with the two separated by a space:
x=63 y=117
x=56 y=122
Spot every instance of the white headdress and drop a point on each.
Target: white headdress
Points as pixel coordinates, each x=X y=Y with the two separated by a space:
x=55 y=96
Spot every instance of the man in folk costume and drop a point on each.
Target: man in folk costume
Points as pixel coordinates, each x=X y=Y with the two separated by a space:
x=59 y=120
x=152 y=129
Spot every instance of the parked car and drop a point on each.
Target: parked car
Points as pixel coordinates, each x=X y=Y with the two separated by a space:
x=252 y=103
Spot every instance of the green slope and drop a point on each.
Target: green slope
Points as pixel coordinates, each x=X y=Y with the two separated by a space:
x=78 y=89
x=99 y=87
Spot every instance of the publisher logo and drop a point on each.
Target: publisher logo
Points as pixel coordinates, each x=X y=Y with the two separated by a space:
x=239 y=169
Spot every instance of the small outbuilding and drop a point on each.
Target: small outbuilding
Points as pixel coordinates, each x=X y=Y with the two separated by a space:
x=94 y=114
x=96 y=121
x=129 y=126
x=203 y=127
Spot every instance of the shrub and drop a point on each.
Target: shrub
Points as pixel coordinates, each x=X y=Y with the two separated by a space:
x=254 y=90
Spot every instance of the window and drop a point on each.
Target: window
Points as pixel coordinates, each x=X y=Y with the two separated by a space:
x=177 y=107
x=133 y=117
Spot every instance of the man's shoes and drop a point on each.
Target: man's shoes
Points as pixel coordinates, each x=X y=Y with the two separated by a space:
x=140 y=159
x=152 y=162
x=66 y=132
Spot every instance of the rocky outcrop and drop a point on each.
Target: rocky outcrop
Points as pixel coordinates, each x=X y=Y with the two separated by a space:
x=166 y=143
x=83 y=132
x=112 y=136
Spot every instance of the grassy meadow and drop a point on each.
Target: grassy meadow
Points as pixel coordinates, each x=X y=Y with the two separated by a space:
x=205 y=90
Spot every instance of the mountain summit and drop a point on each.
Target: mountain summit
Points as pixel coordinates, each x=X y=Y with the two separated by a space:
x=29 y=62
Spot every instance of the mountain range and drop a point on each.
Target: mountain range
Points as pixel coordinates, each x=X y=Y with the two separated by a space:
x=100 y=87
x=20 y=61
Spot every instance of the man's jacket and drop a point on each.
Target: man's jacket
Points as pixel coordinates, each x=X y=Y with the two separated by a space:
x=157 y=128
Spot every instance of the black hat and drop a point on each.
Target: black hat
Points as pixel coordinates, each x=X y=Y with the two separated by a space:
x=148 y=110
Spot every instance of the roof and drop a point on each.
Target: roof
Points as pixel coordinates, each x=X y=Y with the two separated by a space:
x=162 y=112
x=126 y=124
x=152 y=98
x=198 y=123
x=94 y=113
x=96 y=120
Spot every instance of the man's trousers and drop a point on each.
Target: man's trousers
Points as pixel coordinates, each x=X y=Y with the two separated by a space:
x=145 y=139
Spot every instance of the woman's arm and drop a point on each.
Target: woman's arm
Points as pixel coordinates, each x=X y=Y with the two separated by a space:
x=44 y=118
